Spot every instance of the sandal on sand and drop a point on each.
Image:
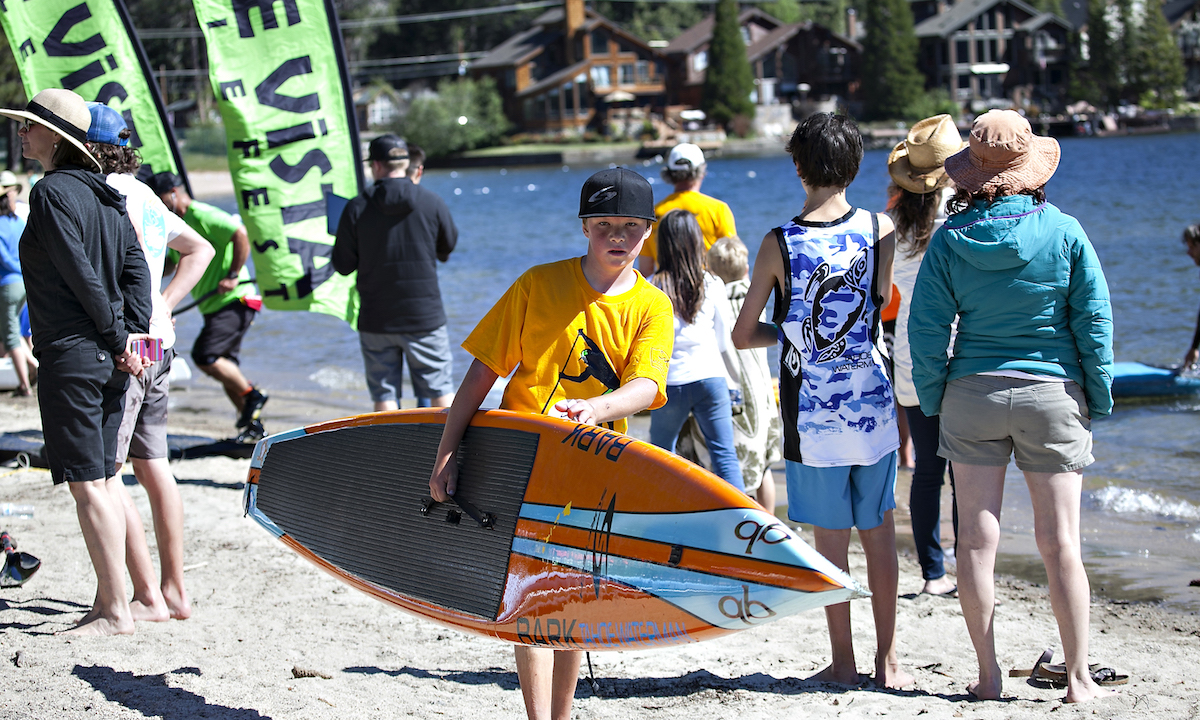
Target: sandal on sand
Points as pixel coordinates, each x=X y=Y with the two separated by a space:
x=1056 y=675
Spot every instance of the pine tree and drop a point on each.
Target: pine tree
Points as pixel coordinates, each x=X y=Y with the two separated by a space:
x=891 y=82
x=1156 y=71
x=1101 y=81
x=728 y=81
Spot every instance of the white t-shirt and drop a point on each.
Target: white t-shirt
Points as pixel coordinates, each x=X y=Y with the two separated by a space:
x=158 y=226
x=699 y=344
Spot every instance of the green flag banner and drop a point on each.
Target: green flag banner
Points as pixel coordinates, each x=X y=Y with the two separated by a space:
x=89 y=47
x=278 y=71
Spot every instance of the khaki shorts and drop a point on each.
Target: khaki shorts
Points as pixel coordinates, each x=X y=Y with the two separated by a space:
x=143 y=432
x=986 y=419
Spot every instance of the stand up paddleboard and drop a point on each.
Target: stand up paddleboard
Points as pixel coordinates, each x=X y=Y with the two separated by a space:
x=561 y=535
x=1133 y=379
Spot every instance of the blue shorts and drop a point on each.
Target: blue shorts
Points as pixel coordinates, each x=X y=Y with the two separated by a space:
x=837 y=498
x=429 y=363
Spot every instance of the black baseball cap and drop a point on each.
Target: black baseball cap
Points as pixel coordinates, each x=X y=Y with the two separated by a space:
x=388 y=148
x=617 y=193
x=163 y=182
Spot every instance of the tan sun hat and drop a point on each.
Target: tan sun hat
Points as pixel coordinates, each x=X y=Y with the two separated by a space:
x=62 y=111
x=1004 y=152
x=8 y=179
x=916 y=163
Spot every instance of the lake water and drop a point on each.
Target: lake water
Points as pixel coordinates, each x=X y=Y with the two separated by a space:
x=1133 y=195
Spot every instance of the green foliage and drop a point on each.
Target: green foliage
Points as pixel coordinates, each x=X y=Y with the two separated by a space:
x=652 y=21
x=205 y=139
x=729 y=80
x=891 y=82
x=787 y=11
x=933 y=102
x=435 y=124
x=475 y=33
x=1156 y=71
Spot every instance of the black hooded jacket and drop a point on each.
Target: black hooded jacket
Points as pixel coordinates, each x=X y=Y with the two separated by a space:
x=86 y=276
x=393 y=235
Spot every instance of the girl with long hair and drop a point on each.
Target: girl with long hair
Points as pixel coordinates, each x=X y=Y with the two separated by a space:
x=697 y=382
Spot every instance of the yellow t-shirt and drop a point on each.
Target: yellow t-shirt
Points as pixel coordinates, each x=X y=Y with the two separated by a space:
x=568 y=341
x=715 y=218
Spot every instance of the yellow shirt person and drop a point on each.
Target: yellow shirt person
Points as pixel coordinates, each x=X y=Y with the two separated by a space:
x=684 y=170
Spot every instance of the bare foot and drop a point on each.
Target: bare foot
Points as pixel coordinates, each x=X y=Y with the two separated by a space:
x=838 y=676
x=100 y=626
x=1081 y=692
x=178 y=604
x=149 y=611
x=939 y=586
x=891 y=676
x=976 y=691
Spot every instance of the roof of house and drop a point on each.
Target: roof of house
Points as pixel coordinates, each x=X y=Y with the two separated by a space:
x=556 y=78
x=518 y=48
x=1176 y=9
x=701 y=32
x=1041 y=20
x=961 y=13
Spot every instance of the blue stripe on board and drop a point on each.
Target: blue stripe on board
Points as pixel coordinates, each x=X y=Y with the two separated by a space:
x=264 y=445
x=723 y=602
x=733 y=531
x=250 y=506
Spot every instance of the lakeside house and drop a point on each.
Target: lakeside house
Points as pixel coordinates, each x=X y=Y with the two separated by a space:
x=994 y=53
x=570 y=68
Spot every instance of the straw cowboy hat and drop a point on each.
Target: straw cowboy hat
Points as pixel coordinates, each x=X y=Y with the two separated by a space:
x=1004 y=152
x=63 y=112
x=8 y=179
x=915 y=164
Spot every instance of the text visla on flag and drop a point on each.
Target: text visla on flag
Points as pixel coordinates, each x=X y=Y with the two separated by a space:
x=278 y=72
x=89 y=47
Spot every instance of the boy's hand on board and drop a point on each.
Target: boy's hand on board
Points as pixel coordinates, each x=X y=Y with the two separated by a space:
x=444 y=480
x=581 y=411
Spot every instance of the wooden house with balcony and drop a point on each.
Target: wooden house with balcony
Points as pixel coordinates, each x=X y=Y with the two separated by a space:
x=789 y=60
x=994 y=53
x=569 y=68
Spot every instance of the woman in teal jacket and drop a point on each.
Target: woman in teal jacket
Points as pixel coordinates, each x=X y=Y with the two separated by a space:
x=1032 y=364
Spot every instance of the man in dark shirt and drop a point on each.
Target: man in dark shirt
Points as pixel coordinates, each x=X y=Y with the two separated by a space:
x=393 y=234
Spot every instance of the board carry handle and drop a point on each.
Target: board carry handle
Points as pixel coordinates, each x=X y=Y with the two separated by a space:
x=487 y=521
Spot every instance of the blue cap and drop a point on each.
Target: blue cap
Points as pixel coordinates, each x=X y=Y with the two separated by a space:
x=106 y=126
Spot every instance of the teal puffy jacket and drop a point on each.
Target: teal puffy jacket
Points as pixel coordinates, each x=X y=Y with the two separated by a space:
x=1029 y=294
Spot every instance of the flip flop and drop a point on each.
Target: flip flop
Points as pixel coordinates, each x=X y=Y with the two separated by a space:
x=951 y=593
x=1056 y=675
x=1043 y=659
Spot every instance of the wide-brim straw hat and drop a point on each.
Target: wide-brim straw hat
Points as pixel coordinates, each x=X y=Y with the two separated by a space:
x=9 y=179
x=917 y=163
x=1003 y=152
x=63 y=112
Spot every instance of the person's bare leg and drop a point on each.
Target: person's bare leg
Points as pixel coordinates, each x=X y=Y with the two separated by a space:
x=384 y=405
x=21 y=366
x=766 y=491
x=103 y=525
x=442 y=401
x=1056 y=526
x=147 y=604
x=980 y=491
x=547 y=679
x=227 y=372
x=883 y=577
x=166 y=507
x=835 y=546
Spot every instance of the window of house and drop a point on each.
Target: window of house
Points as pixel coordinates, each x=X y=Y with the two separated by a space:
x=600 y=77
x=510 y=78
x=962 y=51
x=625 y=74
x=745 y=35
x=585 y=96
x=700 y=61
x=993 y=50
x=980 y=47
x=599 y=42
x=624 y=46
x=643 y=71
x=568 y=93
x=552 y=104
x=964 y=81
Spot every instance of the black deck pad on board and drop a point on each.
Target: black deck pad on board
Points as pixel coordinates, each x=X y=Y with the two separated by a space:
x=354 y=497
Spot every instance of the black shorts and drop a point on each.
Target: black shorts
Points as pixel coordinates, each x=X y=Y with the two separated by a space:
x=82 y=398
x=222 y=334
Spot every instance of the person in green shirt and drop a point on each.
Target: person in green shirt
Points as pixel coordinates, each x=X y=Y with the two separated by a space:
x=219 y=295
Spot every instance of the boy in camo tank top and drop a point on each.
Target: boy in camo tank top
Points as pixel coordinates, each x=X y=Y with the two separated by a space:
x=830 y=268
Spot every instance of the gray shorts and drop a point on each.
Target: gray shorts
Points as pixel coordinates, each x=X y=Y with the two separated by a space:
x=986 y=419
x=12 y=297
x=429 y=363
x=143 y=432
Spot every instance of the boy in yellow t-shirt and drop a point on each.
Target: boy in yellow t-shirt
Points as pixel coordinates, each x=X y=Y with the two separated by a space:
x=590 y=340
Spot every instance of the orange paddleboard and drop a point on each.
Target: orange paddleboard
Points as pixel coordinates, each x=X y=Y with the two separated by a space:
x=560 y=535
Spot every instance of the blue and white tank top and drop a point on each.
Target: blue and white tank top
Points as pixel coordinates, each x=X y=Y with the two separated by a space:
x=835 y=395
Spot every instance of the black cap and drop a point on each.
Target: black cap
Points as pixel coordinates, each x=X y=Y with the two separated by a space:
x=163 y=182
x=617 y=193
x=388 y=148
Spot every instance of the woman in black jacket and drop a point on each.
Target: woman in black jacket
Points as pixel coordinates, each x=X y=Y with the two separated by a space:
x=88 y=290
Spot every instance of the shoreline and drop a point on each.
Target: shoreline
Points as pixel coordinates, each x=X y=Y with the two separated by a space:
x=272 y=636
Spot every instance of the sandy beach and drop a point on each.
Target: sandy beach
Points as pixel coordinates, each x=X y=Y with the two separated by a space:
x=273 y=637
